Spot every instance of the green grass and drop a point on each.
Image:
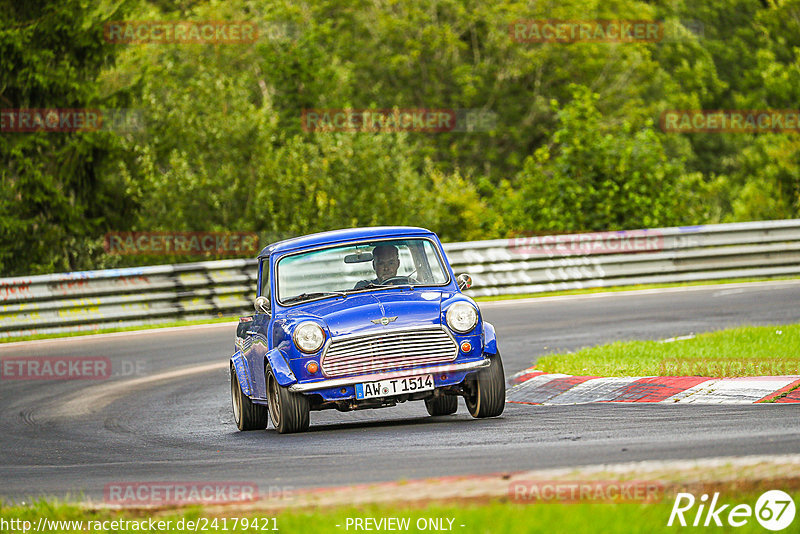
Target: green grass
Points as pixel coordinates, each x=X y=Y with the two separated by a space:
x=110 y=329
x=494 y=517
x=744 y=351
x=616 y=289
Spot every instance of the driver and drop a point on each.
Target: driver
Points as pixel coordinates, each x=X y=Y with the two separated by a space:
x=385 y=261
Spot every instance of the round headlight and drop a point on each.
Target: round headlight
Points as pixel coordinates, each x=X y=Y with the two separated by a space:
x=309 y=337
x=462 y=317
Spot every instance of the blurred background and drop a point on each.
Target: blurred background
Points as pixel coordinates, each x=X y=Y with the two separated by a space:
x=210 y=135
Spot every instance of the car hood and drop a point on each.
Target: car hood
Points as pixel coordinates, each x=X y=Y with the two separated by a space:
x=355 y=313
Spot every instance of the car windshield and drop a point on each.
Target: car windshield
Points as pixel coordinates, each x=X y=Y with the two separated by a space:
x=359 y=267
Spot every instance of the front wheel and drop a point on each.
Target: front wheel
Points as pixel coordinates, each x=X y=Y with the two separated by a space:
x=486 y=390
x=246 y=414
x=444 y=405
x=288 y=411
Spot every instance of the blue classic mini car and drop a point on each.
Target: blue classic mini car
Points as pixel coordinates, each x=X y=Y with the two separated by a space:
x=361 y=318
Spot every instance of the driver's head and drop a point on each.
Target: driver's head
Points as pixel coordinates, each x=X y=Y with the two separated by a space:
x=385 y=261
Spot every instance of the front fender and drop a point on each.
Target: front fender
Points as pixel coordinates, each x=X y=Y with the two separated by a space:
x=242 y=372
x=283 y=374
x=489 y=339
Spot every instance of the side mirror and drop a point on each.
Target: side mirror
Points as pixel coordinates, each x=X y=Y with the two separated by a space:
x=464 y=281
x=262 y=304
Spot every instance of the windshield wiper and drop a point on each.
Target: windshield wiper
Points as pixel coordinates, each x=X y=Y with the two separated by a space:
x=304 y=296
x=373 y=285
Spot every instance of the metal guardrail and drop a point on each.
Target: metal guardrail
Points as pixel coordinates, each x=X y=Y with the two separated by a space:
x=89 y=300
x=663 y=255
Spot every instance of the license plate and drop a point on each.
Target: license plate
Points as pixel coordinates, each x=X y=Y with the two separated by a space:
x=394 y=386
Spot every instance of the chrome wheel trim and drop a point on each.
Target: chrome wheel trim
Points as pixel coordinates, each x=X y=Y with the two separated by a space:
x=274 y=402
x=236 y=398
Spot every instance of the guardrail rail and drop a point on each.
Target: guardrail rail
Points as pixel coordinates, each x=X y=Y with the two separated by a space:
x=90 y=300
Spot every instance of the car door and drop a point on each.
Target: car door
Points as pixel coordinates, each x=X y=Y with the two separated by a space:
x=258 y=333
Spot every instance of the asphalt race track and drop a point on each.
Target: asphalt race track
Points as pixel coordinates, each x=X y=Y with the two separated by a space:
x=165 y=415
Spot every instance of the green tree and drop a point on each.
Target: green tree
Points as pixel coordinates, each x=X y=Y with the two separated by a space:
x=599 y=176
x=53 y=200
x=224 y=149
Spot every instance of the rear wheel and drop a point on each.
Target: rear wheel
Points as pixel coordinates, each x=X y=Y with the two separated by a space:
x=486 y=395
x=444 y=405
x=248 y=416
x=288 y=411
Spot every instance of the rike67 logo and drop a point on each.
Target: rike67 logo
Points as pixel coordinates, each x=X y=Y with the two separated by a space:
x=774 y=510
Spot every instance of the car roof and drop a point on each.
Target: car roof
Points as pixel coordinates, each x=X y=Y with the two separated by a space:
x=343 y=236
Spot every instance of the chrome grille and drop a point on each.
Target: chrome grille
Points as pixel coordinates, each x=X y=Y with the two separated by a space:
x=388 y=349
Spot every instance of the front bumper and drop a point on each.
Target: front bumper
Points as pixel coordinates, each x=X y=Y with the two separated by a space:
x=453 y=368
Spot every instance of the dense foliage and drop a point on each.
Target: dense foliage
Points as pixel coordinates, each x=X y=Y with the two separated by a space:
x=575 y=143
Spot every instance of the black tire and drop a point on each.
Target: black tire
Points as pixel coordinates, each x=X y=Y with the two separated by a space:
x=487 y=390
x=444 y=405
x=288 y=411
x=248 y=416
